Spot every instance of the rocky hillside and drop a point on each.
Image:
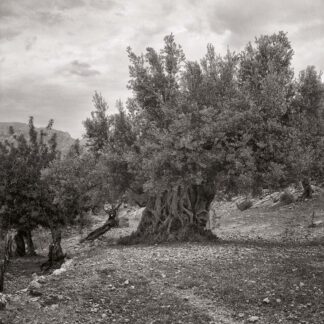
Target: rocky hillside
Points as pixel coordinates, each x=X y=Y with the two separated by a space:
x=266 y=268
x=64 y=139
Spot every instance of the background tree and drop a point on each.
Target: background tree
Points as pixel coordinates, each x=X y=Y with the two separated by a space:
x=266 y=79
x=97 y=128
x=116 y=140
x=307 y=158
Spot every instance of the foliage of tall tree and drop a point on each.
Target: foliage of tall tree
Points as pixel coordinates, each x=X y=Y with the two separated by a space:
x=308 y=105
x=175 y=142
x=266 y=79
x=224 y=124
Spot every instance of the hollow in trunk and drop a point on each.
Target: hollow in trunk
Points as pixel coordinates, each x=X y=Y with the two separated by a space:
x=20 y=243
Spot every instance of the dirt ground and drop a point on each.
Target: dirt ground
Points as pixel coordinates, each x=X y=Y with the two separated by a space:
x=267 y=267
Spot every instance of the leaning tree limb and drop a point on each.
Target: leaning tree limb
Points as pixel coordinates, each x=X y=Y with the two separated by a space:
x=100 y=230
x=109 y=224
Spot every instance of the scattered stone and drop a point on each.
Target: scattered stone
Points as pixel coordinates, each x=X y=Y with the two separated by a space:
x=240 y=315
x=266 y=300
x=60 y=297
x=41 y=279
x=34 y=288
x=57 y=272
x=67 y=264
x=244 y=205
x=126 y=282
x=253 y=319
x=318 y=223
x=23 y=290
x=278 y=300
x=34 y=285
x=3 y=301
x=35 y=292
x=51 y=300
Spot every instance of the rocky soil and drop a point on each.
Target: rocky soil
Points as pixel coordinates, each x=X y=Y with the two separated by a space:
x=267 y=267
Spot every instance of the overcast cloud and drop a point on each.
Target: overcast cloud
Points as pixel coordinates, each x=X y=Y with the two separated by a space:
x=55 y=53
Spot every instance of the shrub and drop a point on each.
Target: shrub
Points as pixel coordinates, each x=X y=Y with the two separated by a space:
x=287 y=198
x=244 y=205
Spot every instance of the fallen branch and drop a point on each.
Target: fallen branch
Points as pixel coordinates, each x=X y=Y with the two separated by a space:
x=109 y=224
x=100 y=230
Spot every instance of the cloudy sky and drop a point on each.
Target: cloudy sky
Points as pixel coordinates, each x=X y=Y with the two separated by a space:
x=55 y=53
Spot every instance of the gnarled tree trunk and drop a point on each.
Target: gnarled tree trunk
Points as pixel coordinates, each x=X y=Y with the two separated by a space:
x=308 y=191
x=178 y=214
x=30 y=243
x=55 y=253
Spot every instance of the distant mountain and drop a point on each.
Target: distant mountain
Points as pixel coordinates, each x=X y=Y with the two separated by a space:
x=64 y=139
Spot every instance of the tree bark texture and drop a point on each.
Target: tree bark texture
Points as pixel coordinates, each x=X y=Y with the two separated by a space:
x=55 y=250
x=178 y=214
x=308 y=191
x=55 y=253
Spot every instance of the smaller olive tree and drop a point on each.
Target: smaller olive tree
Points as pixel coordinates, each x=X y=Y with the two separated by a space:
x=22 y=160
x=70 y=190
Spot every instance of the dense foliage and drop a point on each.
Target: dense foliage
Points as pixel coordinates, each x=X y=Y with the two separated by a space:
x=226 y=125
x=237 y=123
